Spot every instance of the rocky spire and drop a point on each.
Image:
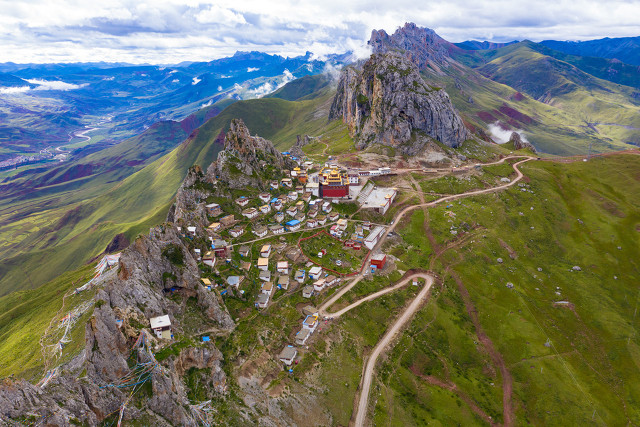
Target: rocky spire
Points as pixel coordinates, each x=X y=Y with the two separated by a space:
x=388 y=102
x=422 y=46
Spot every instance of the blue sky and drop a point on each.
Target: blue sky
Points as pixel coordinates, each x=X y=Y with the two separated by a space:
x=170 y=31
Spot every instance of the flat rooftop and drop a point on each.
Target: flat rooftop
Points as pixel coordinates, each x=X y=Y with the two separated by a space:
x=378 y=197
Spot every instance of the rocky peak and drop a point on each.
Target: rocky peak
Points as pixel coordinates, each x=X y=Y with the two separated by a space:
x=388 y=102
x=519 y=143
x=245 y=158
x=420 y=45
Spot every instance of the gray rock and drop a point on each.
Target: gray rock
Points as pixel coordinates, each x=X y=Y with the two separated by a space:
x=499 y=260
x=388 y=102
x=576 y=268
x=246 y=160
x=519 y=143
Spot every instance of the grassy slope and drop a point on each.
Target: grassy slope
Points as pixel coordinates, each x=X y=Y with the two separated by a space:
x=25 y=315
x=584 y=214
x=557 y=83
x=553 y=128
x=47 y=242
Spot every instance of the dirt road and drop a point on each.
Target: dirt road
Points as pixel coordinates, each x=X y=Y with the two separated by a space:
x=361 y=411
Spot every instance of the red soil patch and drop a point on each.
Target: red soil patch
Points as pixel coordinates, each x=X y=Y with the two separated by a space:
x=515 y=114
x=486 y=117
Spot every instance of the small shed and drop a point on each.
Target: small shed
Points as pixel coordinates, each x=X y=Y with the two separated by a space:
x=315 y=272
x=288 y=355
x=302 y=336
x=161 y=325
x=307 y=291
x=262 y=301
x=283 y=282
x=309 y=310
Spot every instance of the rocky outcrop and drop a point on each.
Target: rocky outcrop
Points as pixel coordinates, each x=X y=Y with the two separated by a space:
x=245 y=160
x=422 y=46
x=189 y=206
x=519 y=143
x=388 y=102
x=80 y=393
x=301 y=141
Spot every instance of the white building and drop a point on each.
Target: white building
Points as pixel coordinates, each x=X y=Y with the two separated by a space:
x=315 y=272
x=288 y=355
x=374 y=237
x=161 y=325
x=283 y=267
x=263 y=263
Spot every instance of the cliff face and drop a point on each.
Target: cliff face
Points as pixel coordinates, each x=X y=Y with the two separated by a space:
x=82 y=392
x=422 y=46
x=388 y=102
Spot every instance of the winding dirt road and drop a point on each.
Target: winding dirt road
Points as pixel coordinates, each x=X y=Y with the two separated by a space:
x=367 y=378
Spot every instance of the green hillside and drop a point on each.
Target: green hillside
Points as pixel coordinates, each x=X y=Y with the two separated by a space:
x=52 y=234
x=568 y=339
x=555 y=124
x=303 y=88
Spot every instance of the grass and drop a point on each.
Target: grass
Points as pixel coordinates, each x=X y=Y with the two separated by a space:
x=25 y=315
x=351 y=259
x=582 y=213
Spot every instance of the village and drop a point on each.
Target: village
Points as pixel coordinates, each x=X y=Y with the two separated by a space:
x=296 y=237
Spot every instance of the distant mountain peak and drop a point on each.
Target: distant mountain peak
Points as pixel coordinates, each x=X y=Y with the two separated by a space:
x=421 y=45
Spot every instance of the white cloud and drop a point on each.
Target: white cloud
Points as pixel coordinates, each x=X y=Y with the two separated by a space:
x=216 y=15
x=252 y=69
x=501 y=135
x=54 y=85
x=206 y=104
x=14 y=90
x=262 y=90
x=171 y=31
x=195 y=81
x=219 y=88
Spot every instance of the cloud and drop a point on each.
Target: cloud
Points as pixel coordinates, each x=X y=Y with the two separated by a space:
x=195 y=81
x=171 y=31
x=271 y=86
x=501 y=134
x=252 y=69
x=14 y=90
x=217 y=14
x=54 y=85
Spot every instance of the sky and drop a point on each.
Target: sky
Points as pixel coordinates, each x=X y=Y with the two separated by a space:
x=171 y=31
